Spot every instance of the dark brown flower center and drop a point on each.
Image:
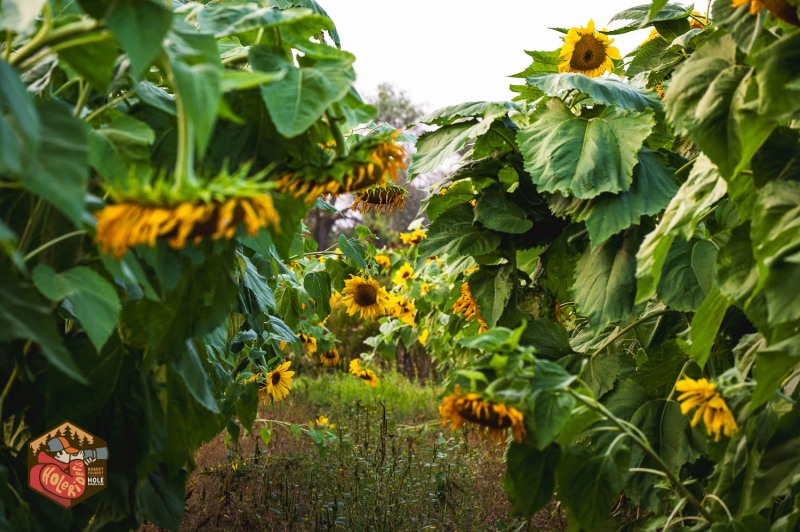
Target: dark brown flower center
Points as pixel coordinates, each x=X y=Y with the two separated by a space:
x=485 y=416
x=365 y=295
x=276 y=378
x=589 y=53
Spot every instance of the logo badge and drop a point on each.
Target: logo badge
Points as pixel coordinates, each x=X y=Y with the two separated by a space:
x=67 y=464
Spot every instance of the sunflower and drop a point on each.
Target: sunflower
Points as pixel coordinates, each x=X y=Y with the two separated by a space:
x=467 y=305
x=365 y=296
x=324 y=422
x=383 y=260
x=403 y=309
x=493 y=419
x=711 y=407
x=130 y=224
x=755 y=5
x=309 y=341
x=385 y=198
x=588 y=52
x=402 y=276
x=279 y=382
x=424 y=288
x=412 y=238
x=329 y=357
x=367 y=375
x=423 y=337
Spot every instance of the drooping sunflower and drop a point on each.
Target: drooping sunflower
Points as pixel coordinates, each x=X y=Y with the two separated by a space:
x=413 y=238
x=128 y=224
x=711 y=407
x=329 y=357
x=403 y=309
x=403 y=275
x=383 y=260
x=588 y=52
x=386 y=198
x=365 y=296
x=366 y=375
x=279 y=382
x=468 y=306
x=493 y=419
x=755 y=5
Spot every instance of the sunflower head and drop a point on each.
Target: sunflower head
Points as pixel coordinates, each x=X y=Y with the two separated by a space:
x=367 y=375
x=386 y=198
x=403 y=275
x=383 y=260
x=403 y=309
x=711 y=407
x=588 y=52
x=493 y=419
x=413 y=238
x=468 y=307
x=365 y=296
x=308 y=341
x=278 y=383
x=329 y=357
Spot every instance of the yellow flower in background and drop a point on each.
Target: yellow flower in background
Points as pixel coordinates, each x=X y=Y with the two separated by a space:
x=367 y=375
x=755 y=5
x=329 y=357
x=365 y=296
x=402 y=276
x=323 y=422
x=653 y=34
x=383 y=260
x=468 y=306
x=413 y=238
x=279 y=382
x=424 y=288
x=587 y=52
x=129 y=224
x=309 y=341
x=403 y=309
x=698 y=21
x=493 y=419
x=711 y=407
x=423 y=338
x=386 y=198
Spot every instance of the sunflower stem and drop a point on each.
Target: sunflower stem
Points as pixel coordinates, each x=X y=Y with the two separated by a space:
x=53 y=242
x=184 y=159
x=47 y=38
x=334 y=115
x=614 y=337
x=119 y=99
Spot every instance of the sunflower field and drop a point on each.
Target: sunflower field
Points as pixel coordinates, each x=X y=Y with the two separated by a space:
x=606 y=285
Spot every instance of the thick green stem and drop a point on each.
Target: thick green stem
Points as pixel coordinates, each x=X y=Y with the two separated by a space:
x=113 y=103
x=335 y=116
x=645 y=446
x=52 y=38
x=83 y=95
x=614 y=337
x=184 y=159
x=685 y=166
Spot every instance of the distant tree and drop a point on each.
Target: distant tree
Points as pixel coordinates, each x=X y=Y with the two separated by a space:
x=394 y=106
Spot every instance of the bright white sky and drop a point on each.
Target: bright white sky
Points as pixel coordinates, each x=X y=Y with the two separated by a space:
x=444 y=52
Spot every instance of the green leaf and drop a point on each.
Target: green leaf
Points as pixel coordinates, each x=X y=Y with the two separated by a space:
x=548 y=338
x=778 y=75
x=588 y=484
x=739 y=23
x=543 y=63
x=160 y=501
x=530 y=477
x=773 y=363
x=659 y=10
x=664 y=364
x=655 y=56
x=318 y=286
x=257 y=284
x=579 y=156
x=24 y=315
x=93 y=59
x=287 y=300
x=668 y=432
x=302 y=95
x=247 y=407
x=605 y=281
x=680 y=286
x=186 y=363
x=711 y=97
x=19 y=122
x=119 y=145
x=435 y=148
x=140 y=27
x=447 y=115
x=491 y=287
x=454 y=232
x=601 y=372
x=550 y=415
x=705 y=325
x=266 y=434
x=226 y=20
x=497 y=211
x=353 y=250
x=59 y=172
x=776 y=224
x=89 y=297
x=701 y=190
x=608 y=214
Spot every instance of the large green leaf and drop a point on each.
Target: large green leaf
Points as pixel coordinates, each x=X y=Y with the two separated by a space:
x=588 y=483
x=454 y=232
x=776 y=225
x=257 y=284
x=140 y=27
x=658 y=10
x=711 y=97
x=24 y=315
x=160 y=501
x=605 y=281
x=117 y=147
x=318 y=286
x=530 y=477
x=656 y=56
x=491 y=287
x=667 y=431
x=186 y=363
x=302 y=95
x=447 y=115
x=705 y=325
x=583 y=156
x=59 y=172
x=550 y=415
x=19 y=122
x=701 y=190
x=93 y=59
x=287 y=300
x=89 y=297
x=680 y=287
x=457 y=194
x=778 y=75
x=353 y=250
x=225 y=20
x=497 y=211
x=737 y=274
x=608 y=214
x=772 y=366
x=739 y=23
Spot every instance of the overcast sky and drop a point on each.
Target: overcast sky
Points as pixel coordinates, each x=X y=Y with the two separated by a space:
x=444 y=52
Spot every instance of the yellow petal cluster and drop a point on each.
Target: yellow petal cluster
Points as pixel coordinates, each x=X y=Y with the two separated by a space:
x=367 y=375
x=365 y=296
x=711 y=407
x=413 y=238
x=468 y=306
x=588 y=52
x=386 y=198
x=403 y=275
x=129 y=224
x=279 y=382
x=329 y=357
x=402 y=309
x=493 y=419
